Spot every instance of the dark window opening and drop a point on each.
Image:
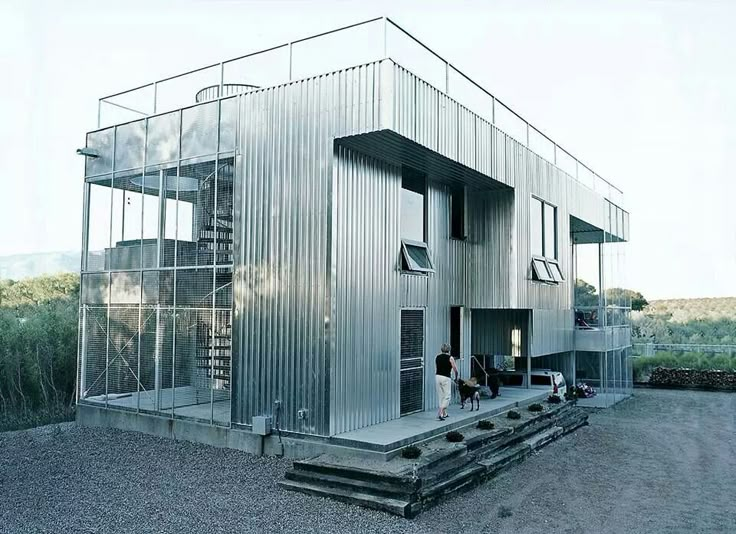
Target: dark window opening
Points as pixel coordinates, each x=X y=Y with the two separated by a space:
x=538 y=380
x=512 y=380
x=457 y=213
x=456 y=314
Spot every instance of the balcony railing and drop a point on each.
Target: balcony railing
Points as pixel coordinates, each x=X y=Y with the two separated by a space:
x=345 y=47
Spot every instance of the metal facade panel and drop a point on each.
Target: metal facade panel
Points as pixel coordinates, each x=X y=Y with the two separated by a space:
x=552 y=331
x=365 y=364
x=284 y=223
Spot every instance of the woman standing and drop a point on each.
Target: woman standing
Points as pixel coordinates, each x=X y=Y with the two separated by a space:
x=444 y=365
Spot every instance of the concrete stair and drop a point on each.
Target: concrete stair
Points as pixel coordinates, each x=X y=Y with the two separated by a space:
x=439 y=474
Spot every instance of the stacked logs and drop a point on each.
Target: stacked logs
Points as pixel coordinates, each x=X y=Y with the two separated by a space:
x=693 y=378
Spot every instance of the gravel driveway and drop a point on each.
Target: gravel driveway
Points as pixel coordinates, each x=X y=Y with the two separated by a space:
x=662 y=462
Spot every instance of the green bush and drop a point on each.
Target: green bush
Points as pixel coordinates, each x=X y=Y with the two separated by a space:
x=554 y=399
x=536 y=407
x=644 y=365
x=38 y=350
x=485 y=424
x=411 y=452
x=513 y=414
x=454 y=436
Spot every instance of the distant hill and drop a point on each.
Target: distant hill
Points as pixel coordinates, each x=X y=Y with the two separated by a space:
x=682 y=310
x=19 y=266
x=698 y=321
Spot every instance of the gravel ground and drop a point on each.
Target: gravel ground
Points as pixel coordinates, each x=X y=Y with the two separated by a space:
x=664 y=461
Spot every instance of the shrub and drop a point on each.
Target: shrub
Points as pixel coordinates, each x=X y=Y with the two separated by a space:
x=411 y=452
x=454 y=436
x=513 y=414
x=536 y=407
x=554 y=399
x=485 y=424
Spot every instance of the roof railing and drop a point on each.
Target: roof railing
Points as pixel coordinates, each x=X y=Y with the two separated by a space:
x=348 y=46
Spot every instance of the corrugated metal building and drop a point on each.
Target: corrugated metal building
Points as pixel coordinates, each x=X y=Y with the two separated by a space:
x=303 y=249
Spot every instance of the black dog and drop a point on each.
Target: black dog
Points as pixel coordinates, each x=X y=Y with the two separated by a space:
x=469 y=389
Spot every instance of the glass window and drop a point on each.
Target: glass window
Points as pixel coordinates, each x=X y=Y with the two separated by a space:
x=100 y=142
x=129 y=147
x=98 y=223
x=555 y=270
x=162 y=140
x=415 y=257
x=199 y=130
x=537 y=210
x=540 y=271
x=413 y=189
x=550 y=231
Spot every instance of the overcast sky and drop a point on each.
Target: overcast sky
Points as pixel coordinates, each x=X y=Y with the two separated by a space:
x=643 y=92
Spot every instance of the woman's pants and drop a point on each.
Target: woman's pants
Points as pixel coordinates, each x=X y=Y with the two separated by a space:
x=444 y=385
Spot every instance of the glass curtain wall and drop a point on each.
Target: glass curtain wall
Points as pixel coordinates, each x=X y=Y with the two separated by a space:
x=156 y=304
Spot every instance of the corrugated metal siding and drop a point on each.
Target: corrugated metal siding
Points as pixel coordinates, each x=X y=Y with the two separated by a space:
x=492 y=331
x=366 y=313
x=284 y=222
x=551 y=331
x=318 y=273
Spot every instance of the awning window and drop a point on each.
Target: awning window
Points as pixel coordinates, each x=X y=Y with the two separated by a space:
x=415 y=257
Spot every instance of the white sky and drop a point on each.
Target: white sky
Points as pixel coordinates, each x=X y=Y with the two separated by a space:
x=643 y=92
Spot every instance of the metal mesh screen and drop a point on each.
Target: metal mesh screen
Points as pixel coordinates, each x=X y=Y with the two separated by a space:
x=156 y=325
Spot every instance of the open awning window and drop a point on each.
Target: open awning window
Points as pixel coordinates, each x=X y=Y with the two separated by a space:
x=540 y=271
x=415 y=257
x=555 y=270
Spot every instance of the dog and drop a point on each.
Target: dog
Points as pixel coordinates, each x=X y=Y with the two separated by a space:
x=468 y=389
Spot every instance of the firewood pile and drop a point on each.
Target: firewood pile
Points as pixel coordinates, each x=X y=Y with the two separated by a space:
x=693 y=377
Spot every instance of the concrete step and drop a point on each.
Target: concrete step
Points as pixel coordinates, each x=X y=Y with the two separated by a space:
x=398 y=507
x=363 y=475
x=381 y=489
x=466 y=477
x=502 y=460
x=487 y=438
x=538 y=441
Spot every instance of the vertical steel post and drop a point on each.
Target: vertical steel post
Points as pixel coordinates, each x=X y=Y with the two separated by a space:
x=290 y=60
x=155 y=97
x=385 y=37
x=447 y=78
x=140 y=266
x=109 y=275
x=493 y=110
x=176 y=268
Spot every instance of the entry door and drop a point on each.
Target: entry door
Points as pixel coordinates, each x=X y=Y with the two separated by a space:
x=412 y=361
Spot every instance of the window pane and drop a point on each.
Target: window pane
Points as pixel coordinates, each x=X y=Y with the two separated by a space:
x=412 y=215
x=224 y=219
x=98 y=228
x=199 y=130
x=195 y=212
x=550 y=231
x=129 y=145
x=101 y=142
x=541 y=271
x=536 y=222
x=162 y=142
x=418 y=257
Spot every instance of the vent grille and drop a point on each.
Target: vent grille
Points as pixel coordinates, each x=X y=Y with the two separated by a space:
x=412 y=361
